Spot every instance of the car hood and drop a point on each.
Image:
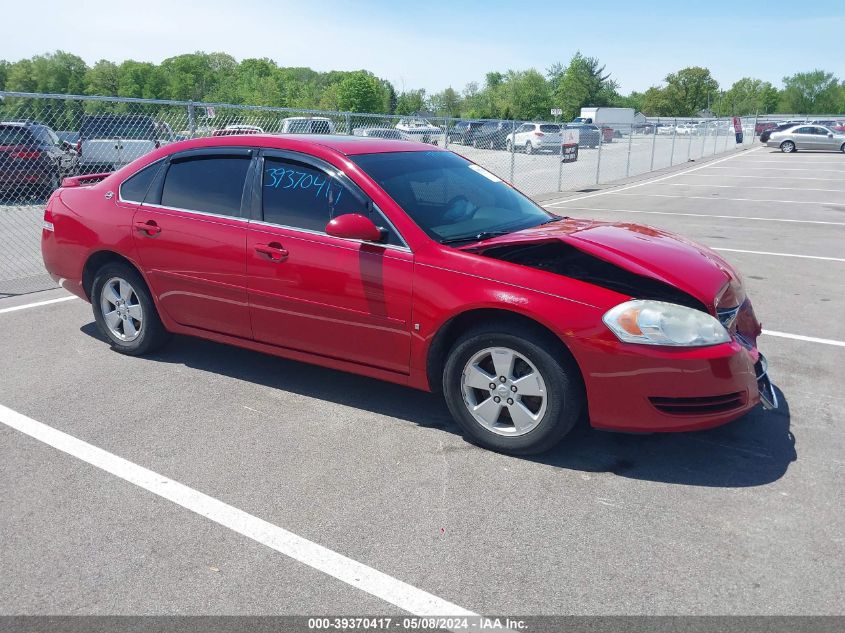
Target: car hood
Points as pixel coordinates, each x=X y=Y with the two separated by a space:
x=642 y=250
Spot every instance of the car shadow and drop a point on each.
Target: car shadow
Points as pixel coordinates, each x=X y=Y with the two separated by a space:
x=752 y=451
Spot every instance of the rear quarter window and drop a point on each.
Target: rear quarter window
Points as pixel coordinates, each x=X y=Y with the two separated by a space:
x=135 y=188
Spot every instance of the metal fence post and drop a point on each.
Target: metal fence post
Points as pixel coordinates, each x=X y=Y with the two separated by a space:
x=446 y=133
x=513 y=148
x=630 y=140
x=689 y=145
x=704 y=140
x=192 y=119
x=348 y=123
x=560 y=166
x=754 y=129
x=715 y=135
x=598 y=158
x=674 y=134
x=653 y=142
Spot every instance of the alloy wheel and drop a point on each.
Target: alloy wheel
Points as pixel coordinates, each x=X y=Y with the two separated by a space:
x=121 y=308
x=504 y=391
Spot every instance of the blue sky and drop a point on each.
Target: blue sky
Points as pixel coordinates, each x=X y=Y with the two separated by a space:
x=435 y=43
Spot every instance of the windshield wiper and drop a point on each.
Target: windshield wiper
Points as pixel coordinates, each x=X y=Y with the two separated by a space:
x=484 y=235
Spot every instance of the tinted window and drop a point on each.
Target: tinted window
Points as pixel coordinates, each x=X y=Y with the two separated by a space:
x=449 y=197
x=135 y=187
x=804 y=130
x=304 y=197
x=298 y=126
x=214 y=184
x=550 y=128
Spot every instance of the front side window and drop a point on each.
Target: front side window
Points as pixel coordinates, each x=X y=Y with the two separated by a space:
x=450 y=198
x=211 y=184
x=300 y=196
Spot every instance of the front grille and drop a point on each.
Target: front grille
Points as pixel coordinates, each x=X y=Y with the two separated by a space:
x=699 y=405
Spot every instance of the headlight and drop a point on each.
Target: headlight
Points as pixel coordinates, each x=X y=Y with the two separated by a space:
x=660 y=323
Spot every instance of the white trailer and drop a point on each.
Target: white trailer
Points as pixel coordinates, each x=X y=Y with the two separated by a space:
x=616 y=118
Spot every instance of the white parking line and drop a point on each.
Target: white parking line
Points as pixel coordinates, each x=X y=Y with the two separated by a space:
x=358 y=575
x=788 y=160
x=707 y=215
x=723 y=176
x=809 y=339
x=835 y=171
x=721 y=199
x=654 y=180
x=26 y=306
x=737 y=250
x=707 y=184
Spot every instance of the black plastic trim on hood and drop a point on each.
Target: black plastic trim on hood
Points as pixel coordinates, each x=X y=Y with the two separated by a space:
x=563 y=259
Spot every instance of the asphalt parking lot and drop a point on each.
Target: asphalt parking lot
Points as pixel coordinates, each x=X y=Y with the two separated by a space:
x=744 y=519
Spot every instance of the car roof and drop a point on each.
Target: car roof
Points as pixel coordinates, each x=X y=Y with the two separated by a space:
x=347 y=145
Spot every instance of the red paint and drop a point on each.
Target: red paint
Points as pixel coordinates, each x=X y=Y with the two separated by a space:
x=374 y=310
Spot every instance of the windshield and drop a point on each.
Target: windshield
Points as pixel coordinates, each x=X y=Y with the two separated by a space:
x=449 y=197
x=14 y=135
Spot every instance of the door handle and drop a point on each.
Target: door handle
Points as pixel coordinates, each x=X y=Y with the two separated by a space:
x=274 y=251
x=149 y=227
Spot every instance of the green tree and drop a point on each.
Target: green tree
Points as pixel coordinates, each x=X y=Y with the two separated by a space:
x=523 y=94
x=583 y=82
x=410 y=101
x=635 y=100
x=815 y=92
x=748 y=96
x=4 y=72
x=689 y=90
x=360 y=92
x=103 y=79
x=445 y=103
x=656 y=103
x=142 y=80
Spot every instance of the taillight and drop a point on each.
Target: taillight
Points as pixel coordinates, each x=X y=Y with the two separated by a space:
x=47 y=225
x=538 y=134
x=27 y=154
x=157 y=144
x=79 y=147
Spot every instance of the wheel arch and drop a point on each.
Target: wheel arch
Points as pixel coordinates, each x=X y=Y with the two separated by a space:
x=97 y=260
x=452 y=329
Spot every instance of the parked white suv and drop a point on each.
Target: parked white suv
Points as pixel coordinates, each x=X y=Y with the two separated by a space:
x=535 y=137
x=307 y=125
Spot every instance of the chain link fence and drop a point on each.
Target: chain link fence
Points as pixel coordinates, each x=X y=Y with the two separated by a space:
x=45 y=138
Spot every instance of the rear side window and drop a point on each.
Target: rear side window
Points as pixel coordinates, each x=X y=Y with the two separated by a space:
x=213 y=184
x=134 y=188
x=550 y=128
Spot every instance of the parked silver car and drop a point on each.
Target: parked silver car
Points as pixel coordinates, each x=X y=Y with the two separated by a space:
x=804 y=136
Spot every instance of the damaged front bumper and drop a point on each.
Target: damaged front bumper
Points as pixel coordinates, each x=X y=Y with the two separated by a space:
x=768 y=397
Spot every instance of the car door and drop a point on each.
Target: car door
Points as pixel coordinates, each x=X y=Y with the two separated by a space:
x=825 y=139
x=804 y=138
x=315 y=293
x=190 y=233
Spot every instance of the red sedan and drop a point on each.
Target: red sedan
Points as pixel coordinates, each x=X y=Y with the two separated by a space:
x=407 y=263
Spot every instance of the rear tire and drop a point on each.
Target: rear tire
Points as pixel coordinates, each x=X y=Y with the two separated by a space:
x=539 y=401
x=788 y=147
x=509 y=146
x=529 y=149
x=125 y=312
x=842 y=149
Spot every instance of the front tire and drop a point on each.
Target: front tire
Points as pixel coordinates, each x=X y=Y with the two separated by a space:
x=125 y=312
x=512 y=390
x=788 y=147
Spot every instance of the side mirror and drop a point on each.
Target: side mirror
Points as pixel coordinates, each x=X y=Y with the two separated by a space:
x=830 y=135
x=354 y=226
